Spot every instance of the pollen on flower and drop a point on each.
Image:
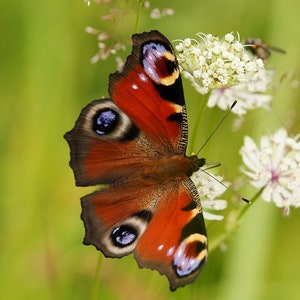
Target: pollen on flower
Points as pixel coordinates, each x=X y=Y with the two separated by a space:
x=274 y=165
x=274 y=176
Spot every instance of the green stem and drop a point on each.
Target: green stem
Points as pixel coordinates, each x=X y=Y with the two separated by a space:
x=201 y=111
x=96 y=283
x=138 y=15
x=213 y=245
x=251 y=203
x=217 y=242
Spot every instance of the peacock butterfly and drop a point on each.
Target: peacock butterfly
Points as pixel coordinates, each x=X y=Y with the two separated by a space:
x=134 y=144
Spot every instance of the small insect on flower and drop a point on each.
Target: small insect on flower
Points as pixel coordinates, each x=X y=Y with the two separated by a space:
x=261 y=49
x=274 y=166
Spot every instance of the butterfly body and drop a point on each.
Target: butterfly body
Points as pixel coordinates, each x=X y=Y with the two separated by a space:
x=134 y=143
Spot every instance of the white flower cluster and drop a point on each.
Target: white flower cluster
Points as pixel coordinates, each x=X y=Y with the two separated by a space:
x=212 y=63
x=209 y=189
x=275 y=167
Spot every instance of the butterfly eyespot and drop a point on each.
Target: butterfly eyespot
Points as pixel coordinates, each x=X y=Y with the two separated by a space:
x=123 y=236
x=159 y=63
x=122 y=239
x=105 y=121
x=190 y=255
x=153 y=50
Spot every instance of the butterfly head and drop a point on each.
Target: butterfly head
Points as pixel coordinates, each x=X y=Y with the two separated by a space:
x=195 y=164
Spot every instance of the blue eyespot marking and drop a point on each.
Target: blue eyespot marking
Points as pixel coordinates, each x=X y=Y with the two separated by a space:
x=105 y=121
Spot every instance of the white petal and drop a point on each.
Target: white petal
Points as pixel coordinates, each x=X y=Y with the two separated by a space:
x=209 y=216
x=279 y=137
x=214 y=204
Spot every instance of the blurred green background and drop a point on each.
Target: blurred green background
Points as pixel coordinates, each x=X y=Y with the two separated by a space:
x=46 y=78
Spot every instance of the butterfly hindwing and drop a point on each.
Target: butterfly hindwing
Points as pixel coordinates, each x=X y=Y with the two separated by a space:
x=135 y=144
x=167 y=234
x=175 y=241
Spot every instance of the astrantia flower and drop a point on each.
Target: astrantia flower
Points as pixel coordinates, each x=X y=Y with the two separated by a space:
x=275 y=167
x=209 y=189
x=249 y=95
x=212 y=63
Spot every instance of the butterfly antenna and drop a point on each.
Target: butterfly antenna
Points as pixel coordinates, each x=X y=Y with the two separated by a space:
x=218 y=125
x=225 y=185
x=218 y=164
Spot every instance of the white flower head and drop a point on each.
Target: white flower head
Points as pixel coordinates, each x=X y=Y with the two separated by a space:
x=209 y=189
x=250 y=95
x=275 y=167
x=212 y=63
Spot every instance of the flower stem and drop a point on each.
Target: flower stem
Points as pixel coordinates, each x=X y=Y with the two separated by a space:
x=251 y=202
x=218 y=241
x=138 y=15
x=96 y=283
x=202 y=109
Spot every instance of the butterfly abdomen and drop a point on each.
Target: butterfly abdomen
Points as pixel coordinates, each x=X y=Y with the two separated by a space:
x=170 y=168
x=165 y=169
